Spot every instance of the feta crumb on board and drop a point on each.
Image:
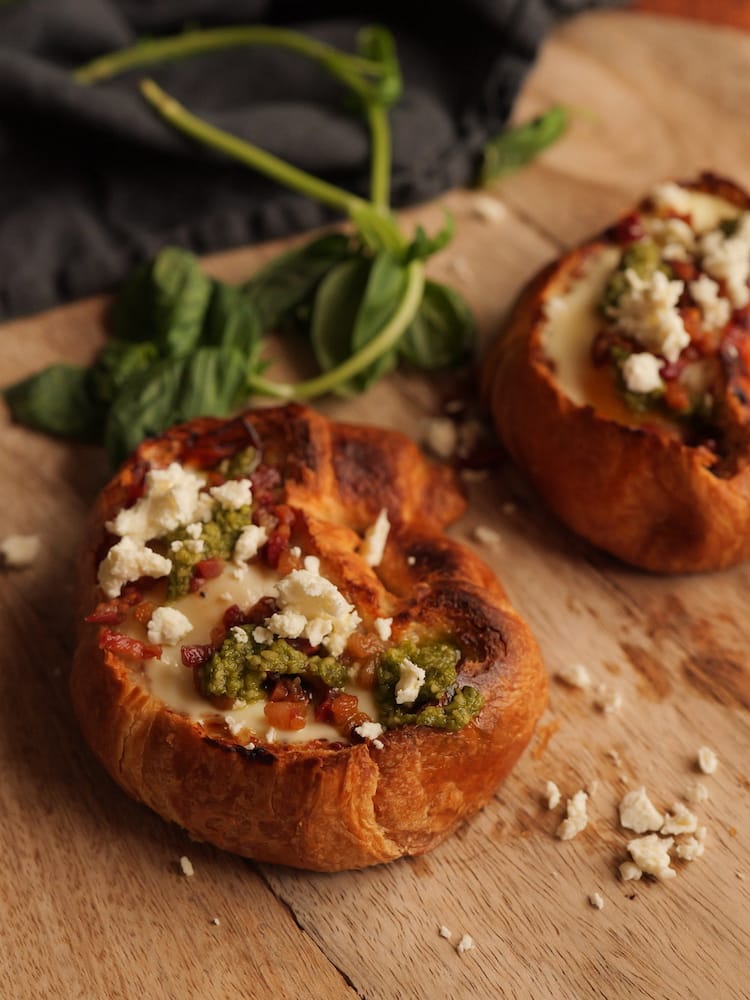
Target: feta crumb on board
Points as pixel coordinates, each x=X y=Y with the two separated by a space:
x=19 y=551
x=680 y=820
x=574 y=675
x=465 y=944
x=707 y=760
x=441 y=436
x=552 y=795
x=596 y=900
x=690 y=849
x=607 y=700
x=485 y=535
x=638 y=813
x=576 y=818
x=186 y=866
x=651 y=854
x=445 y=932
x=630 y=872
x=488 y=209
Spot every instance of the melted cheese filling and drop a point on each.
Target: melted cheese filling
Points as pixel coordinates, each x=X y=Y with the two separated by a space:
x=172 y=683
x=573 y=320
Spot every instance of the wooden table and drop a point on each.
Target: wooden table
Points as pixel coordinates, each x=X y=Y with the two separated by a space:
x=94 y=904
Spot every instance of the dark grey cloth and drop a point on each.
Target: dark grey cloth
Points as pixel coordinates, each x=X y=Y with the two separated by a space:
x=91 y=180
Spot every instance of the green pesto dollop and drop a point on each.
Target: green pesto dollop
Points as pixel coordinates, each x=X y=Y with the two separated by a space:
x=240 y=667
x=240 y=465
x=643 y=257
x=440 y=702
x=219 y=536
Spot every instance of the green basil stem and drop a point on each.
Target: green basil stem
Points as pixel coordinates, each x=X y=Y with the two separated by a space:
x=380 y=168
x=347 y=68
x=379 y=345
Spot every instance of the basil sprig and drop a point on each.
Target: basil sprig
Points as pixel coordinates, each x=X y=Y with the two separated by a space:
x=518 y=146
x=186 y=345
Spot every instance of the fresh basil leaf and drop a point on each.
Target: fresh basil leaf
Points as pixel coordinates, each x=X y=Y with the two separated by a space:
x=518 y=146
x=289 y=281
x=442 y=333
x=231 y=320
x=211 y=382
x=116 y=362
x=335 y=311
x=57 y=401
x=164 y=301
x=385 y=289
x=424 y=246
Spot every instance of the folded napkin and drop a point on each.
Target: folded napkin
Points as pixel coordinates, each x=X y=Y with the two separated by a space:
x=91 y=180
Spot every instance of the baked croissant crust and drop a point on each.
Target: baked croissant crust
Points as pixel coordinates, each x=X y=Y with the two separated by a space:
x=621 y=384
x=341 y=790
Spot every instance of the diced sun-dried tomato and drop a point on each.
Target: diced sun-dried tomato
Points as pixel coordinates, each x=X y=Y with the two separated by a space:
x=209 y=569
x=627 y=230
x=126 y=645
x=342 y=708
x=196 y=656
x=286 y=714
x=144 y=612
x=266 y=480
x=685 y=270
x=288 y=689
x=111 y=613
x=677 y=397
x=234 y=615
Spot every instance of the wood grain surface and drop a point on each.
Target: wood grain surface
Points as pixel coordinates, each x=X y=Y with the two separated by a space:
x=93 y=902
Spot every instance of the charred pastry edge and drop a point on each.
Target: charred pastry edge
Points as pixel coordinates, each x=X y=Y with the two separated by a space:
x=635 y=492
x=345 y=806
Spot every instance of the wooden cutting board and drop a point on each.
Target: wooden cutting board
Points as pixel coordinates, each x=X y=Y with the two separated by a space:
x=93 y=901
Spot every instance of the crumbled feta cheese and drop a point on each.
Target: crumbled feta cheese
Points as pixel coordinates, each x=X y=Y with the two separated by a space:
x=233 y=725
x=445 y=932
x=215 y=921
x=239 y=634
x=312 y=565
x=614 y=757
x=651 y=854
x=707 y=760
x=596 y=900
x=680 y=820
x=647 y=311
x=249 y=542
x=465 y=944
x=129 y=560
x=373 y=543
x=313 y=607
x=576 y=818
x=690 y=849
x=441 y=436
x=195 y=545
x=642 y=372
x=295 y=551
x=607 y=700
x=410 y=680
x=675 y=237
x=233 y=494
x=672 y=196
x=262 y=635
x=186 y=865
x=171 y=499
x=175 y=546
x=383 y=627
x=552 y=793
x=715 y=309
x=369 y=730
x=167 y=626
x=727 y=258
x=574 y=675
x=629 y=871
x=194 y=530
x=698 y=792
x=19 y=551
x=638 y=813
x=488 y=209
x=272 y=734
x=486 y=536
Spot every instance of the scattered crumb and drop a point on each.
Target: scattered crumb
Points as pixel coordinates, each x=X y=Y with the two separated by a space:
x=445 y=932
x=740 y=876
x=680 y=820
x=440 y=436
x=19 y=551
x=629 y=871
x=698 y=793
x=465 y=944
x=488 y=209
x=249 y=746
x=295 y=551
x=486 y=536
x=576 y=818
x=651 y=855
x=707 y=760
x=690 y=849
x=596 y=900
x=461 y=267
x=233 y=725
x=186 y=866
x=607 y=700
x=271 y=735
x=592 y=787
x=638 y=813
x=574 y=675
x=552 y=793
x=615 y=757
x=215 y=921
